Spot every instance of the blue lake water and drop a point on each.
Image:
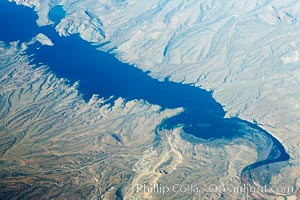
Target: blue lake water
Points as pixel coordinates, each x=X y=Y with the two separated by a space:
x=101 y=73
x=16 y=22
x=57 y=13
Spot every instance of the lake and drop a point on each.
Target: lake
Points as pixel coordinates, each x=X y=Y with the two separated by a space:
x=101 y=73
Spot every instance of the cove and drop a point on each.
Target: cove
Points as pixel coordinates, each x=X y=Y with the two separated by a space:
x=57 y=13
x=101 y=73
